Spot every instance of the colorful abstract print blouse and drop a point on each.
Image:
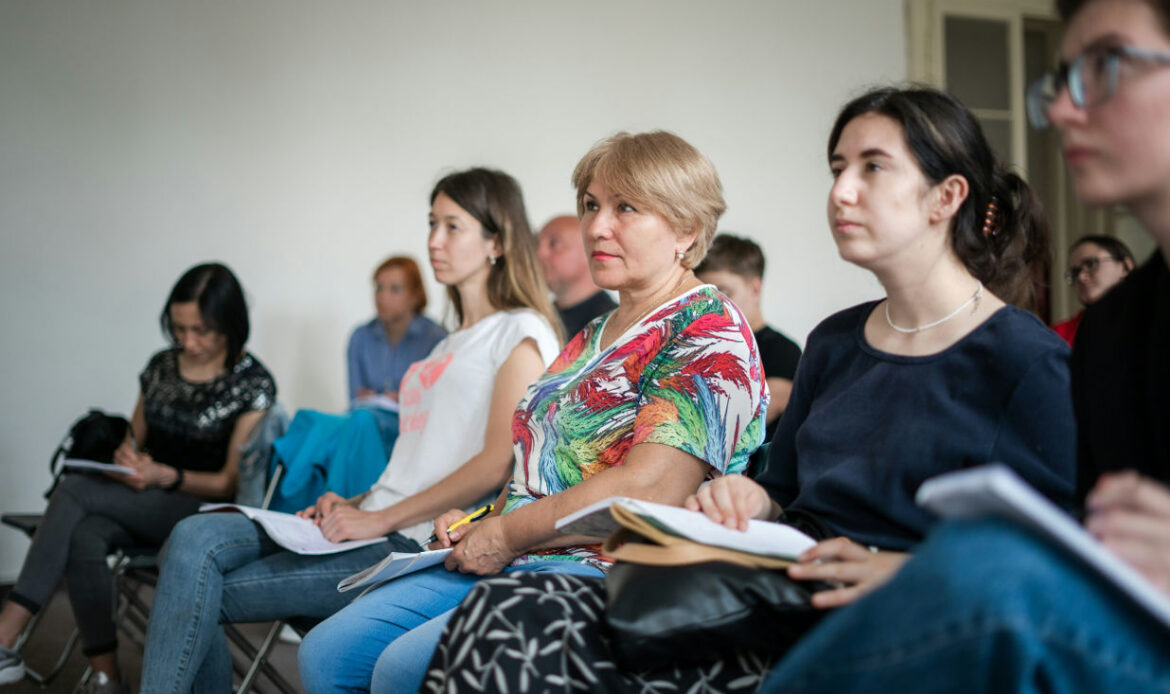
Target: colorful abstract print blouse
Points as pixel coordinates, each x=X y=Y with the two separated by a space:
x=687 y=376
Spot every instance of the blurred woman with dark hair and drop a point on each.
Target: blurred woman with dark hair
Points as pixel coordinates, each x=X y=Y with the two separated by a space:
x=1095 y=265
x=197 y=404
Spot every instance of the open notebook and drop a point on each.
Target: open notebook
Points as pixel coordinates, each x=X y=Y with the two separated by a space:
x=292 y=532
x=994 y=490
x=395 y=565
x=761 y=537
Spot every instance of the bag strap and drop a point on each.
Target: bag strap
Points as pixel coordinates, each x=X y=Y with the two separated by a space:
x=55 y=464
x=62 y=449
x=665 y=549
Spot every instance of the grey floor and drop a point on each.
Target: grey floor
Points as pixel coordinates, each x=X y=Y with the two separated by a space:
x=57 y=623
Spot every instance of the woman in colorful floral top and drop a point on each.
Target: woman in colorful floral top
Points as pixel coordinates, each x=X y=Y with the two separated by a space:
x=648 y=401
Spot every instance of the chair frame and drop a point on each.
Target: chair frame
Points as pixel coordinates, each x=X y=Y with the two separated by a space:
x=132 y=572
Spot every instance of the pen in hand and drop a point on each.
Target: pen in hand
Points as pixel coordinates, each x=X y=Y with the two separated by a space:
x=469 y=518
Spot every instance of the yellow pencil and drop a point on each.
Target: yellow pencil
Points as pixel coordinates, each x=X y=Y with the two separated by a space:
x=469 y=518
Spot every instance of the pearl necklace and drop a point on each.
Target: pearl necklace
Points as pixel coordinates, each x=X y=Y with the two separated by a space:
x=974 y=299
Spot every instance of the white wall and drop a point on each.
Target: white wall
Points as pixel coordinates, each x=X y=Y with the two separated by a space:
x=297 y=141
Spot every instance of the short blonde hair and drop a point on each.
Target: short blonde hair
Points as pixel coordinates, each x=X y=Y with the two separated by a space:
x=661 y=172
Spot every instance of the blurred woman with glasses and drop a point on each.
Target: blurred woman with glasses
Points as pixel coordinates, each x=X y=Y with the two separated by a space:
x=1095 y=265
x=984 y=606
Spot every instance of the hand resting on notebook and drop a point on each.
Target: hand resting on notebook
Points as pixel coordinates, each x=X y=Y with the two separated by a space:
x=733 y=500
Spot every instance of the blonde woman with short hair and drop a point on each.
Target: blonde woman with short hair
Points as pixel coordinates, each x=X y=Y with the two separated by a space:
x=647 y=401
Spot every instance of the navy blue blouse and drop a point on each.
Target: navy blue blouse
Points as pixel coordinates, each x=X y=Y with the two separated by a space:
x=865 y=428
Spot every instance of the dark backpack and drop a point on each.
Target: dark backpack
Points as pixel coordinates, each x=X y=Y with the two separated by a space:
x=93 y=437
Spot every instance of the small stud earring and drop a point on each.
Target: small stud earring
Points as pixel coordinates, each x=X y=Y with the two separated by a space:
x=678 y=255
x=491 y=260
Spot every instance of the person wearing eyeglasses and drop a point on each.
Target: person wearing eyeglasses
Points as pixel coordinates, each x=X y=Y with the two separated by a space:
x=984 y=606
x=1095 y=265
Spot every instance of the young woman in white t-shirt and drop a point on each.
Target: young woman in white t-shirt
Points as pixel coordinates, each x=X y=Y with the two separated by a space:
x=454 y=448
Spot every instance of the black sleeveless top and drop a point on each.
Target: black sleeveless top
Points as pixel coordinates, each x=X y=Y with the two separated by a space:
x=189 y=425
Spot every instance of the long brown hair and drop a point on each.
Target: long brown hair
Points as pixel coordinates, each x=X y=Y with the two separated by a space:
x=494 y=199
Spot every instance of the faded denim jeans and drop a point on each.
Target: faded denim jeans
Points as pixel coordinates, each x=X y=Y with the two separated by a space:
x=222 y=568
x=984 y=606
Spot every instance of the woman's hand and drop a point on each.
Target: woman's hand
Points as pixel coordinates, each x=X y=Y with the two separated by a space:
x=147 y=473
x=325 y=503
x=344 y=522
x=441 y=524
x=126 y=454
x=733 y=500
x=1130 y=515
x=858 y=570
x=481 y=548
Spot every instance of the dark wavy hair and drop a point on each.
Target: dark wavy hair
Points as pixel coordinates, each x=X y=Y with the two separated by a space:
x=494 y=199
x=220 y=298
x=1113 y=246
x=946 y=140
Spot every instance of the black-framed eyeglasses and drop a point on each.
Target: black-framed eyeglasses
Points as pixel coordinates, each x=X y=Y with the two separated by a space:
x=1091 y=79
x=1088 y=265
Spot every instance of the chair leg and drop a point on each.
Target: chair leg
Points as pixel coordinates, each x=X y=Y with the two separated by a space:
x=258 y=659
x=48 y=676
x=59 y=665
x=261 y=655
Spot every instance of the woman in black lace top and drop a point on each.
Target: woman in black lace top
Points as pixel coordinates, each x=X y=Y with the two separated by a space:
x=199 y=401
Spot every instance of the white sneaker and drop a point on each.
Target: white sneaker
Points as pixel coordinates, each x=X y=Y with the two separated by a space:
x=11 y=666
x=289 y=635
x=101 y=683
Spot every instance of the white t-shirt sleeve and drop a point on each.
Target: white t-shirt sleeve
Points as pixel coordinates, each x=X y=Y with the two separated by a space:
x=522 y=325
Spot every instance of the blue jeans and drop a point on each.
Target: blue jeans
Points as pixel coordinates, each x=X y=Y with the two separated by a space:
x=222 y=568
x=983 y=607
x=384 y=641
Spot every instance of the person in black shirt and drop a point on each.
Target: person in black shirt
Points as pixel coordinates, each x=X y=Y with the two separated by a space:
x=566 y=270
x=735 y=265
x=198 y=403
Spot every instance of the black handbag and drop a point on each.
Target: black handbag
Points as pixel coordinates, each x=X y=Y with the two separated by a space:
x=93 y=437
x=659 y=615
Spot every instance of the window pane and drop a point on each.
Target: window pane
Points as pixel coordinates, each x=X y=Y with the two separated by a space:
x=977 y=61
x=999 y=136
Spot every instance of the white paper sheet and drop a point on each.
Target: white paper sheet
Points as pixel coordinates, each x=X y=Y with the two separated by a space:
x=292 y=532
x=378 y=401
x=396 y=565
x=80 y=464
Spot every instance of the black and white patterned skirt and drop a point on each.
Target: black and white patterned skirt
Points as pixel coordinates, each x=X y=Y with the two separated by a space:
x=543 y=632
